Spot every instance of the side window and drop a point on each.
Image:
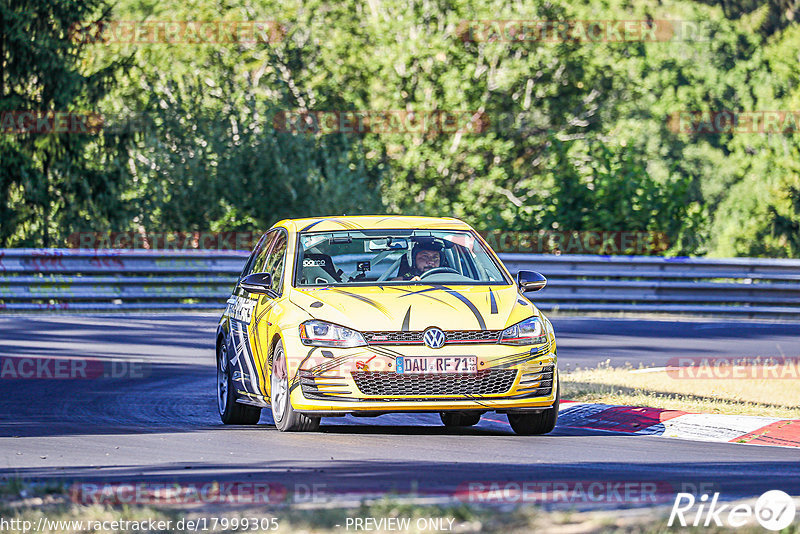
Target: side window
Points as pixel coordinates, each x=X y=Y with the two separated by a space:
x=261 y=259
x=257 y=257
x=276 y=262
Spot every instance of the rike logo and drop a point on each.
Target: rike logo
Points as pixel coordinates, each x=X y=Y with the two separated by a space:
x=774 y=510
x=434 y=338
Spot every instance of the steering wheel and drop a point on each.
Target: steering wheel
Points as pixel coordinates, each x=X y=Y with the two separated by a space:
x=437 y=270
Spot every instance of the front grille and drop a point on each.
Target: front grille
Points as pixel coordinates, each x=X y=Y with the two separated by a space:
x=415 y=338
x=388 y=384
x=471 y=336
x=381 y=338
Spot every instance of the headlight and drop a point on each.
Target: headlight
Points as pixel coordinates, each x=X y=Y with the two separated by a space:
x=322 y=334
x=528 y=332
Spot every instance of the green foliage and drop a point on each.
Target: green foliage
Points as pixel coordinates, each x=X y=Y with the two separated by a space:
x=576 y=135
x=207 y=155
x=207 y=162
x=54 y=183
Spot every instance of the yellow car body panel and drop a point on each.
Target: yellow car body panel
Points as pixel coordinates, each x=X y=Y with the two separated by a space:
x=323 y=380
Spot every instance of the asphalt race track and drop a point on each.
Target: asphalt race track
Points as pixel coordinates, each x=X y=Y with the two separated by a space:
x=164 y=427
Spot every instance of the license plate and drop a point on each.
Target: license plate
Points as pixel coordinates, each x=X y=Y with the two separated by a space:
x=436 y=365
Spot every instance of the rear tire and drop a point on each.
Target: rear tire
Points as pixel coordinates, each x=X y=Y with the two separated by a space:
x=535 y=424
x=454 y=420
x=285 y=417
x=230 y=411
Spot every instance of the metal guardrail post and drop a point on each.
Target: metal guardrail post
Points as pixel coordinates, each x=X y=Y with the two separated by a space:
x=86 y=279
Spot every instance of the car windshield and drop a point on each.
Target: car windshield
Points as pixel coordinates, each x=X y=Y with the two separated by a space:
x=372 y=257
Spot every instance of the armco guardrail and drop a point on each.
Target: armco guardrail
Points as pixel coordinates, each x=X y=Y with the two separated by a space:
x=740 y=286
x=85 y=279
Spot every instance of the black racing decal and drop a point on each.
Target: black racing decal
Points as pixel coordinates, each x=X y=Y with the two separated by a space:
x=310 y=352
x=385 y=219
x=327 y=365
x=312 y=225
x=493 y=302
x=243 y=356
x=383 y=351
x=545 y=350
x=469 y=305
x=257 y=339
x=419 y=291
x=294 y=384
x=241 y=308
x=406 y=320
x=511 y=362
x=345 y=224
x=422 y=292
x=364 y=299
x=520 y=357
x=332 y=364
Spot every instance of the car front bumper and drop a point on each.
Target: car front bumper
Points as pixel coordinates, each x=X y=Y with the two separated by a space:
x=328 y=381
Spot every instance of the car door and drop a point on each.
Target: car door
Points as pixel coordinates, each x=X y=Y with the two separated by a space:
x=245 y=373
x=269 y=308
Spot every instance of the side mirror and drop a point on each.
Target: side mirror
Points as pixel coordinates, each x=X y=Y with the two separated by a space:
x=258 y=283
x=530 y=281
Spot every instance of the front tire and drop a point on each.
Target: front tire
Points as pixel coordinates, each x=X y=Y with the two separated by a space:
x=535 y=424
x=455 y=420
x=230 y=411
x=285 y=417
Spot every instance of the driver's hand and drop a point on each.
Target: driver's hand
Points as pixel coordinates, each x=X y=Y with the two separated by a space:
x=415 y=279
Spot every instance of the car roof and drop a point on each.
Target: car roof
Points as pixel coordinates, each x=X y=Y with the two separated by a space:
x=372 y=222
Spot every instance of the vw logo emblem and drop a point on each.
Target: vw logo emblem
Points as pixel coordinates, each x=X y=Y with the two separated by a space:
x=434 y=338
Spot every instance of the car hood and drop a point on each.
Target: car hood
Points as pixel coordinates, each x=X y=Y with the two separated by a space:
x=416 y=307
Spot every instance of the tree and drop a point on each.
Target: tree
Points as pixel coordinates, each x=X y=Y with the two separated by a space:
x=55 y=178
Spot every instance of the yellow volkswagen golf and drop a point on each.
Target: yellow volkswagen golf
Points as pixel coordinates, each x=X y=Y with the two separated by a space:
x=372 y=315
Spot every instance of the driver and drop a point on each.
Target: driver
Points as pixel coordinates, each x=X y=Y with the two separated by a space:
x=426 y=255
